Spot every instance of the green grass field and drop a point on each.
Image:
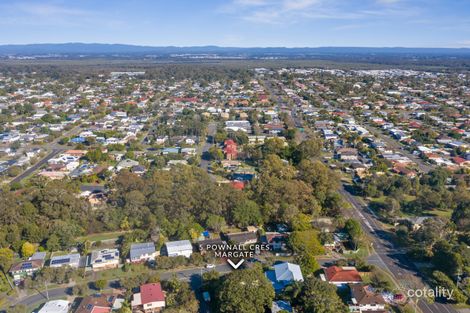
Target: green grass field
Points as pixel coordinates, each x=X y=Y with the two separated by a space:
x=4 y=286
x=102 y=236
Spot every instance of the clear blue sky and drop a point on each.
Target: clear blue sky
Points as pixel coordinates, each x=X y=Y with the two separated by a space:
x=242 y=23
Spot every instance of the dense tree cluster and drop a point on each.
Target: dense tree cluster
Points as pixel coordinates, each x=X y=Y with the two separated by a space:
x=179 y=297
x=438 y=240
x=314 y=295
x=245 y=291
x=426 y=193
x=177 y=202
x=48 y=213
x=283 y=191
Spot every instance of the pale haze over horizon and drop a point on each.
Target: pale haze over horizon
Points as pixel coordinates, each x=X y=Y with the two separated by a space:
x=240 y=23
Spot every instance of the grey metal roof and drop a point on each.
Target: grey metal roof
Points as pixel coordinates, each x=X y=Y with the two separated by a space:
x=68 y=259
x=176 y=246
x=288 y=272
x=138 y=249
x=38 y=256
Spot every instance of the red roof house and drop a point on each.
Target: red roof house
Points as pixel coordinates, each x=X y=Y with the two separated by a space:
x=98 y=303
x=414 y=124
x=341 y=275
x=403 y=170
x=237 y=184
x=230 y=149
x=151 y=298
x=460 y=161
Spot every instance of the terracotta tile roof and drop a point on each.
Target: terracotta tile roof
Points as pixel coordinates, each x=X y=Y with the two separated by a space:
x=237 y=184
x=342 y=274
x=459 y=160
x=151 y=293
x=26 y=265
x=98 y=303
x=364 y=296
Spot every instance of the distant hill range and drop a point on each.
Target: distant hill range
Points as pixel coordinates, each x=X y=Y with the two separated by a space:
x=97 y=48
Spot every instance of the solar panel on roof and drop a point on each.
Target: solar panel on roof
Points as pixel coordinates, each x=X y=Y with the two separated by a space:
x=26 y=265
x=60 y=261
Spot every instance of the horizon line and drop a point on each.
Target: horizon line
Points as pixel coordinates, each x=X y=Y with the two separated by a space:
x=229 y=47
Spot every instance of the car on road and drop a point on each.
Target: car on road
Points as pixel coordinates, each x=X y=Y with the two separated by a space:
x=209 y=265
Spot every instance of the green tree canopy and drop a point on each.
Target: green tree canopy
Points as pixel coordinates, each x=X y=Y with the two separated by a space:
x=306 y=245
x=245 y=291
x=319 y=297
x=6 y=259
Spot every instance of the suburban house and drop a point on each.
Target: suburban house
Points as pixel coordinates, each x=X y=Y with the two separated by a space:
x=276 y=241
x=23 y=269
x=151 y=298
x=55 y=306
x=273 y=128
x=242 y=238
x=99 y=303
x=461 y=161
x=126 y=164
x=363 y=299
x=281 y=306
x=284 y=274
x=237 y=184
x=142 y=252
x=254 y=140
x=403 y=170
x=104 y=259
x=340 y=276
x=38 y=256
x=415 y=222
x=347 y=154
x=72 y=260
x=76 y=153
x=138 y=170
x=230 y=149
x=177 y=248
x=243 y=125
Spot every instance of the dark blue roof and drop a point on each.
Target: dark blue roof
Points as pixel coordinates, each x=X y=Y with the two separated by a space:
x=242 y=177
x=78 y=139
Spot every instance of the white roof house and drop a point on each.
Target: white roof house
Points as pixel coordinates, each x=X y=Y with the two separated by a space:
x=72 y=260
x=104 y=259
x=142 y=252
x=127 y=163
x=55 y=306
x=177 y=248
x=288 y=272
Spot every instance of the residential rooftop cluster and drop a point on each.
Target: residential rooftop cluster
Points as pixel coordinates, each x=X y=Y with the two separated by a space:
x=130 y=175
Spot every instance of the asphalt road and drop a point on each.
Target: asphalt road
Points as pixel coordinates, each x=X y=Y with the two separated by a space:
x=56 y=149
x=386 y=255
x=392 y=143
x=205 y=160
x=36 y=166
x=193 y=276
x=389 y=257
